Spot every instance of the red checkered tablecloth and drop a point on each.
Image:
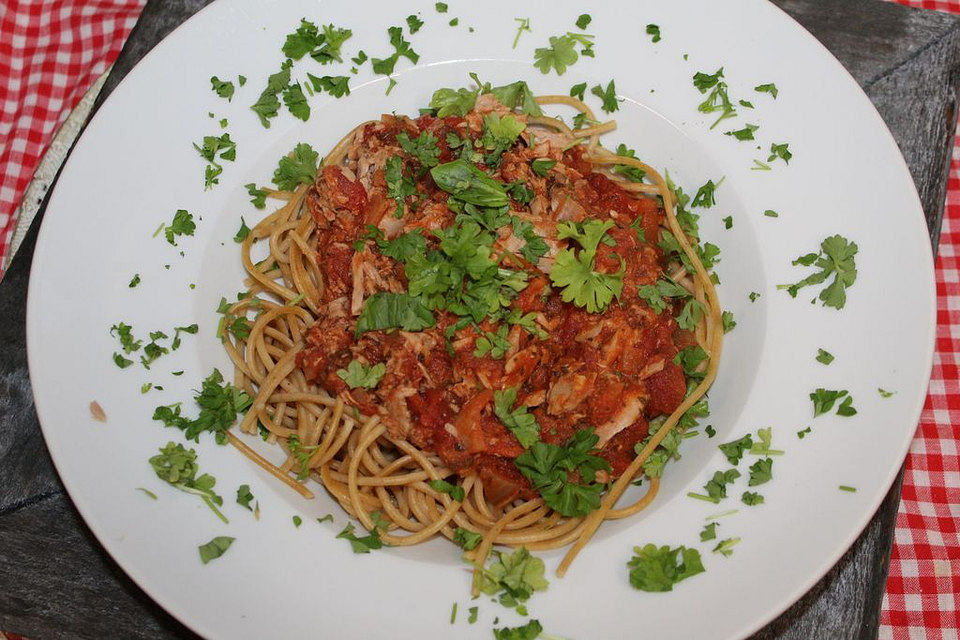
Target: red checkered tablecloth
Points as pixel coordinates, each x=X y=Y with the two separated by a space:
x=51 y=51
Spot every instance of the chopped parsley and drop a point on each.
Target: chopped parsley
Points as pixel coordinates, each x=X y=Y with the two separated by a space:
x=219 y=403
x=608 y=96
x=441 y=7
x=746 y=133
x=541 y=166
x=761 y=446
x=761 y=472
x=653 y=31
x=513 y=577
x=574 y=273
x=781 y=151
x=177 y=466
x=414 y=23
x=223 y=88
x=728 y=222
x=244 y=496
x=366 y=543
x=362 y=375
x=296 y=102
x=728 y=321
x=547 y=466
x=268 y=105
x=385 y=66
x=243 y=232
x=848 y=489
x=134 y=281
x=734 y=450
x=716 y=487
x=562 y=52
x=121 y=362
x=523 y=25
x=299 y=169
x=182 y=225
x=706 y=195
x=529 y=631
x=824 y=357
x=215 y=548
x=519 y=421
x=297 y=521
x=583 y=21
x=718 y=98
x=493 y=344
x=323 y=44
x=770 y=213
x=454 y=22
x=709 y=531
x=803 y=432
x=884 y=393
x=754 y=295
x=824 y=399
x=658 y=569
x=767 y=88
x=466 y=539
x=751 y=498
x=837 y=257
x=454 y=491
x=725 y=547
x=337 y=86
x=258 y=197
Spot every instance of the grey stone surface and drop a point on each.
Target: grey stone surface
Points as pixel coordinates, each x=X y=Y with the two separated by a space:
x=55 y=579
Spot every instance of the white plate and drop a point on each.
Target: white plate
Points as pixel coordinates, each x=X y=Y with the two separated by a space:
x=134 y=166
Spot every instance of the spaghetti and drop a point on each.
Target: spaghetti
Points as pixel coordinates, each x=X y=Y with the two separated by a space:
x=351 y=440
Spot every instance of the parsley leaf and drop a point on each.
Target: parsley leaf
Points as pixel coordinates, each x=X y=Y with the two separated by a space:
x=441 y=7
x=574 y=273
x=177 y=466
x=212 y=147
x=219 y=403
x=337 y=86
x=296 y=170
x=547 y=467
x=705 y=196
x=362 y=544
x=746 y=133
x=296 y=102
x=453 y=490
x=709 y=531
x=561 y=53
x=258 y=197
x=837 y=257
x=244 y=496
x=182 y=225
x=267 y=105
x=577 y=90
x=453 y=102
x=781 y=151
x=734 y=450
x=529 y=631
x=824 y=357
x=223 y=88
x=654 y=31
x=656 y=295
x=767 y=88
x=658 y=569
x=824 y=399
x=725 y=547
x=761 y=471
x=519 y=421
x=494 y=344
x=583 y=21
x=718 y=98
x=728 y=322
x=466 y=539
x=423 y=148
x=751 y=498
x=414 y=23
x=608 y=96
x=513 y=577
x=243 y=232
x=399 y=186
x=716 y=487
x=215 y=548
x=358 y=374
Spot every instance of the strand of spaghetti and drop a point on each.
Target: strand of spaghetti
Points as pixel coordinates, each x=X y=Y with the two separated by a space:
x=340 y=149
x=267 y=466
x=279 y=371
x=639 y=505
x=570 y=101
x=595 y=130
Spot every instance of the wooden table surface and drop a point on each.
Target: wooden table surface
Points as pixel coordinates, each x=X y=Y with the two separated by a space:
x=56 y=581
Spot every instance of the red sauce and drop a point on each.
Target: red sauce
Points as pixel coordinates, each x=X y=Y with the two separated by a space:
x=589 y=371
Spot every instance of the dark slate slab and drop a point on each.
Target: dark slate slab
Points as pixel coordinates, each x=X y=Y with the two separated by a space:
x=56 y=581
